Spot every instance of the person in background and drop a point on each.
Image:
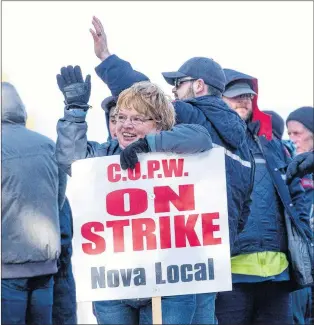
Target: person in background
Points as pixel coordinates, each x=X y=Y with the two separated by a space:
x=64 y=293
x=300 y=125
x=109 y=105
x=260 y=266
x=145 y=123
x=277 y=123
x=33 y=192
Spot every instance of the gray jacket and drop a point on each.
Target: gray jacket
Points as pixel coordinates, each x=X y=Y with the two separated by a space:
x=33 y=190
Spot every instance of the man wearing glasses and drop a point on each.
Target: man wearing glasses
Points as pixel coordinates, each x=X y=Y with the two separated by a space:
x=259 y=263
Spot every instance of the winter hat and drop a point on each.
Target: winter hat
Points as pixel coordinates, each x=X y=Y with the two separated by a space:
x=278 y=124
x=108 y=103
x=304 y=115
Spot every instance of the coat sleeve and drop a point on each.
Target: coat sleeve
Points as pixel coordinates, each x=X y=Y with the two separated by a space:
x=118 y=74
x=189 y=114
x=72 y=141
x=182 y=138
x=300 y=201
x=62 y=187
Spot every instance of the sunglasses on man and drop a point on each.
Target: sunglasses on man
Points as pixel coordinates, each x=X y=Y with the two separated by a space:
x=179 y=82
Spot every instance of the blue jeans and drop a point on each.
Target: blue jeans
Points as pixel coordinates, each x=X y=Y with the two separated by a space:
x=255 y=303
x=175 y=310
x=27 y=300
x=205 y=309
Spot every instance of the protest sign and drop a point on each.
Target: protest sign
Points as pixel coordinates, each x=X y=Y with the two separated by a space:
x=158 y=230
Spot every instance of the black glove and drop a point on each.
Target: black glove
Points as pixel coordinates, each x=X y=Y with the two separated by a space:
x=128 y=156
x=76 y=91
x=300 y=166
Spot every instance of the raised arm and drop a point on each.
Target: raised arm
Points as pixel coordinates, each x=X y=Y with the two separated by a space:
x=116 y=73
x=72 y=141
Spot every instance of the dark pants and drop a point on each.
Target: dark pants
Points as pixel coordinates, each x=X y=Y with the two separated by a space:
x=64 y=297
x=255 y=303
x=301 y=306
x=27 y=300
x=175 y=310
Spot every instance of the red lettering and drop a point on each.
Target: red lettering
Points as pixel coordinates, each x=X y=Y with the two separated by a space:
x=100 y=244
x=138 y=234
x=118 y=233
x=112 y=170
x=183 y=202
x=152 y=166
x=137 y=199
x=165 y=232
x=173 y=166
x=208 y=229
x=135 y=174
x=186 y=230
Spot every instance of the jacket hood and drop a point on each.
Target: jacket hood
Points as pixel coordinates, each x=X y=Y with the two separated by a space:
x=106 y=105
x=226 y=122
x=13 y=110
x=264 y=119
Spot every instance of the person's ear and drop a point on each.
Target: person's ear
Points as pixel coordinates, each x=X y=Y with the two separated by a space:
x=199 y=86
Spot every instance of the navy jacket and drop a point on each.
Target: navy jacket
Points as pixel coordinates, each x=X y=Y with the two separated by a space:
x=225 y=127
x=265 y=229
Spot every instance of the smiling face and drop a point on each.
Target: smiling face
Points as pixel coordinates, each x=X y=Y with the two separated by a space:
x=131 y=126
x=142 y=109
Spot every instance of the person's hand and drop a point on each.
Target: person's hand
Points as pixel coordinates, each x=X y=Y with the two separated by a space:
x=100 y=40
x=75 y=90
x=128 y=156
x=300 y=166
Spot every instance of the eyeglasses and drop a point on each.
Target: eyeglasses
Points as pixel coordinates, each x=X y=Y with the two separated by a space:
x=179 y=82
x=135 y=120
x=245 y=96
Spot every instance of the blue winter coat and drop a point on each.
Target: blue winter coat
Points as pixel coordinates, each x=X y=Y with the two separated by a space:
x=265 y=229
x=224 y=125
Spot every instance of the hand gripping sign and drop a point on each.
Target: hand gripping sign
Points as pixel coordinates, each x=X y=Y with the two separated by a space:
x=158 y=230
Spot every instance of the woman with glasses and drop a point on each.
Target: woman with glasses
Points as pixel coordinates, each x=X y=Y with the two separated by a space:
x=145 y=121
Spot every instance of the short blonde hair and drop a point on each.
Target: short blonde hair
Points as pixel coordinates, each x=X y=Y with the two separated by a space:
x=148 y=99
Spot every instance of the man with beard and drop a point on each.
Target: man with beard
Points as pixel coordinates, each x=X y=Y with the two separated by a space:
x=198 y=86
x=260 y=265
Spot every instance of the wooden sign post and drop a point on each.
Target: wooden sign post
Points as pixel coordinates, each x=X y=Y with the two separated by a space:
x=157 y=312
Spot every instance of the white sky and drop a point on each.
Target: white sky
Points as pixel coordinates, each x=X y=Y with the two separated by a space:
x=272 y=41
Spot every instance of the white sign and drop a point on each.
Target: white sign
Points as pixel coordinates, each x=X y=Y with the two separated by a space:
x=159 y=230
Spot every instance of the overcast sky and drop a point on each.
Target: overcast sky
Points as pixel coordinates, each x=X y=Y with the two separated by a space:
x=272 y=41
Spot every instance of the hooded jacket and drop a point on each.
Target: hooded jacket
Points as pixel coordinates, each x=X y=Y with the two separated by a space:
x=265 y=229
x=31 y=195
x=225 y=127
